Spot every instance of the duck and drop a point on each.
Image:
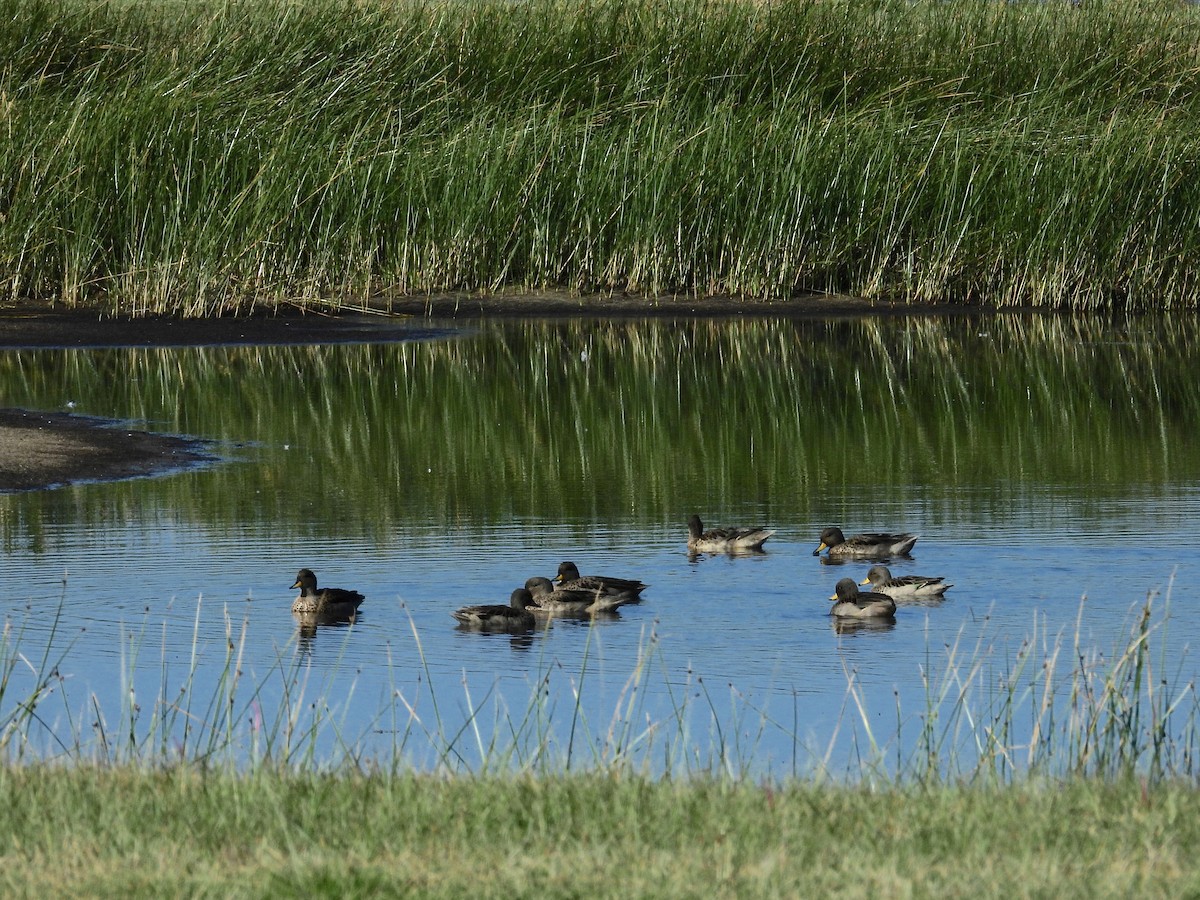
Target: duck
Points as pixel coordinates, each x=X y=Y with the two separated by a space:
x=855 y=604
x=328 y=602
x=905 y=587
x=568 y=578
x=516 y=616
x=724 y=540
x=551 y=600
x=873 y=545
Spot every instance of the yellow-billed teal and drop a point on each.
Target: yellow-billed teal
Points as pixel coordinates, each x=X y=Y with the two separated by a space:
x=905 y=587
x=568 y=578
x=873 y=545
x=724 y=540
x=855 y=604
x=516 y=616
x=548 y=599
x=329 y=602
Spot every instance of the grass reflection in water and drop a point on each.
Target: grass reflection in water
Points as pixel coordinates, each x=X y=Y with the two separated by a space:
x=582 y=422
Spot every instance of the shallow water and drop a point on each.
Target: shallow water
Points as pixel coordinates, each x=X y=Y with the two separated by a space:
x=1041 y=460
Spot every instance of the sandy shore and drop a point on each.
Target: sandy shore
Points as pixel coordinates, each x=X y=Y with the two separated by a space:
x=42 y=450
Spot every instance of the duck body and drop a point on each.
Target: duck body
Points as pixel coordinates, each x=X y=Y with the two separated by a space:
x=855 y=604
x=872 y=545
x=516 y=616
x=561 y=600
x=568 y=578
x=328 y=602
x=905 y=587
x=724 y=540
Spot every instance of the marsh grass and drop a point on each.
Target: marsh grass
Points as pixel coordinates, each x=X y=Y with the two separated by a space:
x=1058 y=708
x=1051 y=709
x=213 y=157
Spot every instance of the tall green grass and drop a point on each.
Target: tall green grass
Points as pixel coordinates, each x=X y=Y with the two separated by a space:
x=212 y=157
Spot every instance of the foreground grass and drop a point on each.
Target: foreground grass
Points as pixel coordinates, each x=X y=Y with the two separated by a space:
x=136 y=833
x=207 y=157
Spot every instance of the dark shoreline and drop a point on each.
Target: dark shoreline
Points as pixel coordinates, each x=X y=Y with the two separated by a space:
x=398 y=319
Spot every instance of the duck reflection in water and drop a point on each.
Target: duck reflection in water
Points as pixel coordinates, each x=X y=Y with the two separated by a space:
x=583 y=620
x=858 y=626
x=517 y=640
x=307 y=625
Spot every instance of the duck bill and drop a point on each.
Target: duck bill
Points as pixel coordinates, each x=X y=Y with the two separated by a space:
x=296 y=585
x=865 y=581
x=817 y=552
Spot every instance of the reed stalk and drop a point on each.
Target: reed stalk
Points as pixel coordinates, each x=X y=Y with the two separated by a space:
x=1054 y=710
x=209 y=158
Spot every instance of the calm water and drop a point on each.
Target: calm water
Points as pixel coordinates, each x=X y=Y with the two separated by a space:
x=1041 y=460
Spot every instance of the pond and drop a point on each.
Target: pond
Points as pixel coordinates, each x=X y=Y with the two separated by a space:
x=1050 y=466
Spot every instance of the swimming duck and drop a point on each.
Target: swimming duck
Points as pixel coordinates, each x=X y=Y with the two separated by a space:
x=548 y=599
x=873 y=545
x=905 y=587
x=724 y=540
x=330 y=602
x=568 y=578
x=855 y=604
x=497 y=617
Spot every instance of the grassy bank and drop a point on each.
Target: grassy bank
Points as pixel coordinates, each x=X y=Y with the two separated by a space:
x=208 y=157
x=116 y=832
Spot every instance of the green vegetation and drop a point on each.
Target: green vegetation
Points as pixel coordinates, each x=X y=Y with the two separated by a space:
x=1054 y=709
x=185 y=832
x=211 y=157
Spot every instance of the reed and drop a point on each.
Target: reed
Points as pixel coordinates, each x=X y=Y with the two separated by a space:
x=1059 y=708
x=1055 y=710
x=206 y=158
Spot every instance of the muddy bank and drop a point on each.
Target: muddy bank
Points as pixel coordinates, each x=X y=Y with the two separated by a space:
x=407 y=318
x=44 y=450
